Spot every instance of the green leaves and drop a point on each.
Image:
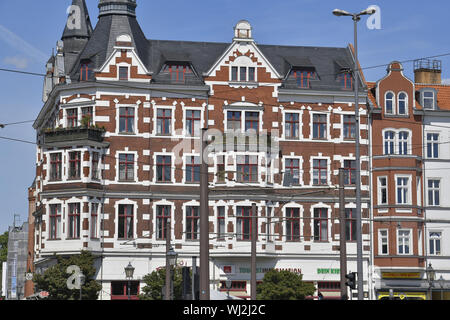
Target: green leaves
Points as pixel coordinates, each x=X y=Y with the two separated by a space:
x=283 y=285
x=54 y=279
x=155 y=282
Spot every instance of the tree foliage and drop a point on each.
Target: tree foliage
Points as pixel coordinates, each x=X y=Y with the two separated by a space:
x=54 y=279
x=155 y=282
x=3 y=247
x=283 y=285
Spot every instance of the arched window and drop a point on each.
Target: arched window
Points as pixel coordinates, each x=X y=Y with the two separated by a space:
x=389 y=103
x=402 y=103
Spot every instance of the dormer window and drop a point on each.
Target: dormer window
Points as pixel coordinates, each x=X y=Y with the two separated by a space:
x=428 y=99
x=346 y=80
x=243 y=74
x=178 y=71
x=85 y=71
x=123 y=73
x=302 y=77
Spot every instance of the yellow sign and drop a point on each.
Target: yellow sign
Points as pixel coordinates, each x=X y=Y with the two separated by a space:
x=403 y=296
x=401 y=275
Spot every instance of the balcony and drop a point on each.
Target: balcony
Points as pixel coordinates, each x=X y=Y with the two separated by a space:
x=74 y=136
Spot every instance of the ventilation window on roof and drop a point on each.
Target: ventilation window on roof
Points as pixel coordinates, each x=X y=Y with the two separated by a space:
x=85 y=72
x=346 y=80
x=178 y=72
x=303 y=77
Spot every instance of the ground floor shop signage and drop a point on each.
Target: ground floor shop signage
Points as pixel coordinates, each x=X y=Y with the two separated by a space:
x=328 y=271
x=401 y=275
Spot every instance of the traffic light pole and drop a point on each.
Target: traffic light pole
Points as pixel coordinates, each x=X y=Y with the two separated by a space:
x=254 y=233
x=204 y=220
x=342 y=237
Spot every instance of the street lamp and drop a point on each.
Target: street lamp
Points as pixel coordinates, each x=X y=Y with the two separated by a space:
x=82 y=278
x=357 y=17
x=441 y=283
x=430 y=276
x=172 y=257
x=129 y=271
x=228 y=285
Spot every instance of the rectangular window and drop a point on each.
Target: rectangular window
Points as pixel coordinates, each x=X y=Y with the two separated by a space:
x=55 y=222
x=164 y=168
x=251 y=74
x=433 y=145
x=350 y=225
x=403 y=242
x=302 y=77
x=252 y=121
x=234 y=120
x=346 y=81
x=349 y=172
x=243 y=73
x=292 y=167
x=319 y=126
x=193 y=119
x=126 y=167
x=244 y=223
x=382 y=190
x=320 y=224
x=94 y=220
x=123 y=73
x=320 y=171
x=162 y=218
x=87 y=116
x=247 y=168
x=292 y=126
x=433 y=192
x=383 y=242
x=220 y=223
x=234 y=73
x=435 y=243
x=403 y=190
x=74 y=220
x=178 y=72
x=164 y=122
x=403 y=137
x=192 y=223
x=292 y=224
x=85 y=72
x=221 y=174
x=389 y=140
x=125 y=230
x=72 y=118
x=428 y=100
x=126 y=120
x=192 y=169
x=95 y=165
x=55 y=166
x=75 y=165
x=349 y=127
x=120 y=290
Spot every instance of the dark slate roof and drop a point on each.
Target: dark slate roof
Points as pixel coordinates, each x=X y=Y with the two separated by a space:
x=85 y=29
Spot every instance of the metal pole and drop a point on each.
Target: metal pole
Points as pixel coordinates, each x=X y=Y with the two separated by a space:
x=253 y=249
x=194 y=272
x=359 y=266
x=167 y=289
x=342 y=238
x=204 y=221
x=129 y=290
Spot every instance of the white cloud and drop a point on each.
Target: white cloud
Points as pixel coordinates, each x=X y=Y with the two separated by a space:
x=18 y=62
x=445 y=81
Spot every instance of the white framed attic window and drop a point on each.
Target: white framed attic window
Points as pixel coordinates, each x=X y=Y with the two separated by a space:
x=243 y=69
x=428 y=99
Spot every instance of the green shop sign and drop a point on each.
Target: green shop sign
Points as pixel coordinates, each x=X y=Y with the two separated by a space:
x=328 y=271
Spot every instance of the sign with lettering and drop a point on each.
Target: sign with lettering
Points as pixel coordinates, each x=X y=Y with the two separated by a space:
x=328 y=271
x=401 y=275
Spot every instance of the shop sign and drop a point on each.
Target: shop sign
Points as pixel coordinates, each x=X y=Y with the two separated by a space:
x=401 y=275
x=328 y=271
x=264 y=270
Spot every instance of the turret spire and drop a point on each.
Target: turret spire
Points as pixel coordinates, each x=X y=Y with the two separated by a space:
x=78 y=22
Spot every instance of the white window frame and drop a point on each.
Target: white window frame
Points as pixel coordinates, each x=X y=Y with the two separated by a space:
x=244 y=62
x=380 y=189
x=136 y=130
x=400 y=142
x=408 y=200
x=185 y=156
x=428 y=98
x=135 y=217
x=435 y=239
x=192 y=203
x=155 y=167
x=185 y=132
x=135 y=166
x=300 y=125
x=401 y=242
x=172 y=220
x=311 y=134
x=155 y=121
x=432 y=143
x=406 y=103
x=300 y=173
x=433 y=189
x=311 y=172
x=394 y=107
x=293 y=205
x=381 y=239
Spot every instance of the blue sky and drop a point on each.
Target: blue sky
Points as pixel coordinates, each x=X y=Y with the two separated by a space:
x=29 y=30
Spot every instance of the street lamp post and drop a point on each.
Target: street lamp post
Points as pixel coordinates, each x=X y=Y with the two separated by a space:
x=228 y=285
x=172 y=257
x=430 y=277
x=357 y=17
x=441 y=283
x=129 y=271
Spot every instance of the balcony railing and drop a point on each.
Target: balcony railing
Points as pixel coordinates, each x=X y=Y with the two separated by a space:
x=69 y=135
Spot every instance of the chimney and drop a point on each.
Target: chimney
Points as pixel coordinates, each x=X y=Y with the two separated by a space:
x=427 y=71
